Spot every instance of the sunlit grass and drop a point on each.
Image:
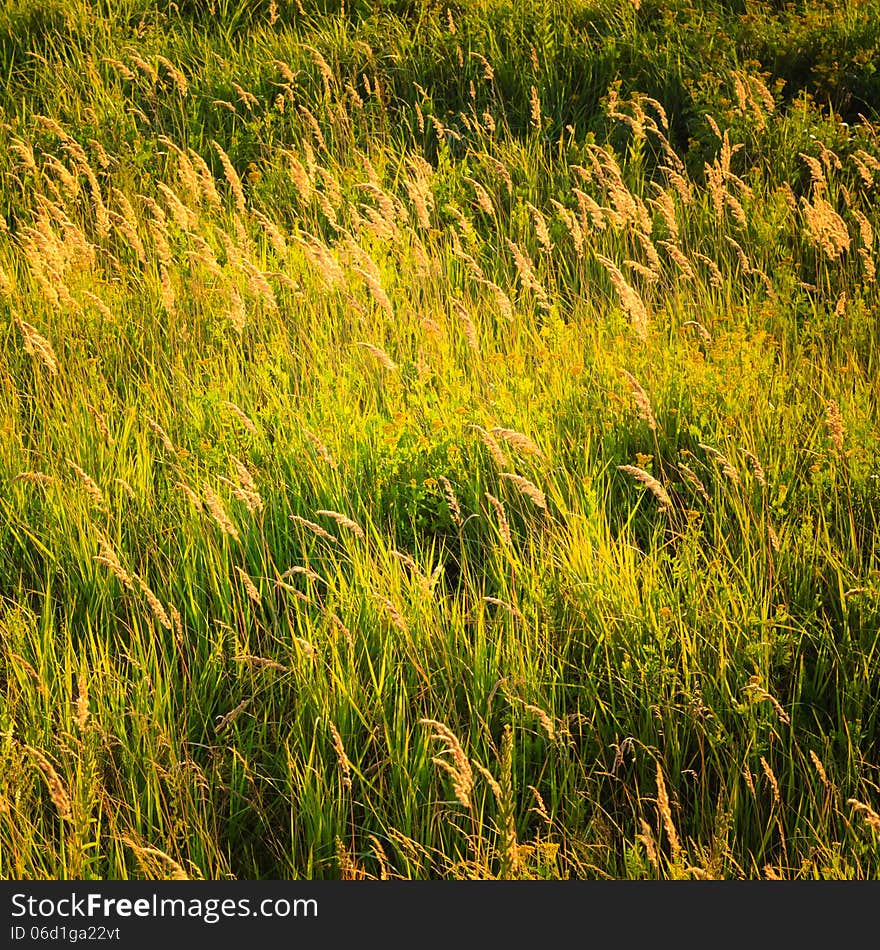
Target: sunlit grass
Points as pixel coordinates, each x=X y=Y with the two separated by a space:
x=425 y=455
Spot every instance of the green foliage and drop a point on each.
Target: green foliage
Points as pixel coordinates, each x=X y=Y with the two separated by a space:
x=439 y=440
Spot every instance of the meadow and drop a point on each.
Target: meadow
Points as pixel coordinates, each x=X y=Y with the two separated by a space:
x=439 y=441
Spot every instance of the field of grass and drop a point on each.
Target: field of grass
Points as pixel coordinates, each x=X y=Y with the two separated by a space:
x=439 y=440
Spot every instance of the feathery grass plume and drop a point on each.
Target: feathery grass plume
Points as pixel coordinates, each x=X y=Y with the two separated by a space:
x=172 y=868
x=683 y=264
x=665 y=204
x=501 y=171
x=451 y=501
x=129 y=232
x=459 y=768
x=206 y=182
x=109 y=558
x=156 y=607
x=825 y=228
x=501 y=515
x=316 y=529
x=283 y=585
x=872 y=819
x=38 y=478
x=817 y=173
x=647 y=839
x=100 y=306
x=321 y=449
x=241 y=415
x=484 y=199
x=541 y=231
x=756 y=467
x=102 y=217
x=300 y=176
x=37 y=345
x=692 y=479
x=25 y=153
x=29 y=669
x=754 y=687
x=528 y=489
x=650 y=253
x=375 y=287
x=177 y=620
x=224 y=721
x=866 y=238
x=749 y=779
x=57 y=791
x=397 y=618
x=260 y=662
x=232 y=178
x=491 y=781
x=145 y=67
x=183 y=216
x=547 y=723
x=419 y=190
x=408 y=562
x=726 y=466
x=246 y=478
x=236 y=311
x=341 y=756
x=90 y=486
x=640 y=397
x=502 y=300
x=381 y=356
x=702 y=332
x=716 y=279
x=651 y=483
x=744 y=262
x=820 y=770
x=218 y=513
x=666 y=815
x=771 y=778
x=250 y=499
x=7 y=285
x=510 y=849
x=249 y=586
x=274 y=233
x=526 y=269
x=167 y=294
x=340 y=628
x=306 y=572
x=164 y=438
x=192 y=495
x=126 y=487
x=82 y=700
x=574 y=229
x=540 y=807
x=522 y=443
x=343 y=521
x=493 y=447
x=314 y=128
x=834 y=423
x=258 y=285
x=512 y=609
x=592 y=215
x=247 y=99
x=632 y=303
x=468 y=327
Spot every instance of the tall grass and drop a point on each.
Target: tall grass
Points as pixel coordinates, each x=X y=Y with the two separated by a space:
x=438 y=442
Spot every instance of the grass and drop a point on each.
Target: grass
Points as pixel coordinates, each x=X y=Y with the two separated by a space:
x=439 y=442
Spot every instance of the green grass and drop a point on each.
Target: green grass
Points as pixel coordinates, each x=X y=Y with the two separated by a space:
x=261 y=263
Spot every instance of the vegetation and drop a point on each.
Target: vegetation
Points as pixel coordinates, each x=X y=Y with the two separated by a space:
x=439 y=441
